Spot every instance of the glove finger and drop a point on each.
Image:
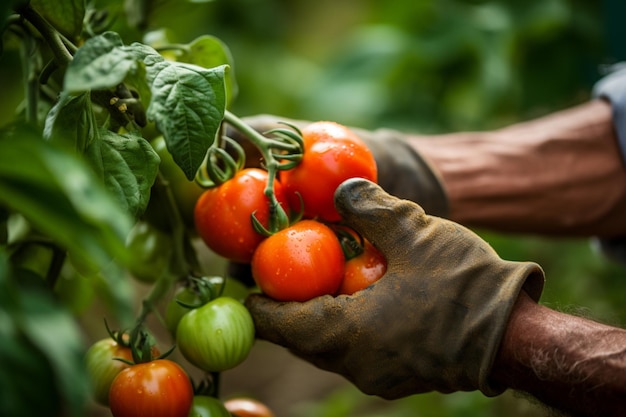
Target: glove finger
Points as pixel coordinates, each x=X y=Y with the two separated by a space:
x=301 y=327
x=380 y=217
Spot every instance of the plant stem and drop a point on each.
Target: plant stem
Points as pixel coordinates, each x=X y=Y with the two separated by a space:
x=278 y=217
x=50 y=35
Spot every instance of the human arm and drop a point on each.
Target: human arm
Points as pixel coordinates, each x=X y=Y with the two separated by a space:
x=561 y=174
x=570 y=363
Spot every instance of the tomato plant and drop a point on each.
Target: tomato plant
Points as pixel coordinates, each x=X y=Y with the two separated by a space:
x=363 y=269
x=223 y=214
x=300 y=262
x=206 y=406
x=103 y=367
x=159 y=388
x=216 y=336
x=247 y=407
x=332 y=154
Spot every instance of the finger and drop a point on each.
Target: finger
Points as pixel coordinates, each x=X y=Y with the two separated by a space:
x=301 y=327
x=380 y=217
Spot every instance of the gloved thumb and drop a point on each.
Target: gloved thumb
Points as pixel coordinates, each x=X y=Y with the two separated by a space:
x=380 y=217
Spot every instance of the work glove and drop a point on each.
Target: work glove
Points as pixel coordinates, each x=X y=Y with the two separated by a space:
x=433 y=322
x=401 y=170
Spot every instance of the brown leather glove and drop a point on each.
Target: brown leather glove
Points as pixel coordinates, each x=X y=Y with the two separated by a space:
x=434 y=321
x=401 y=170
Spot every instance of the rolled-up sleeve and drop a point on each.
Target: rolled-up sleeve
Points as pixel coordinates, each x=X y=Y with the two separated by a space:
x=612 y=88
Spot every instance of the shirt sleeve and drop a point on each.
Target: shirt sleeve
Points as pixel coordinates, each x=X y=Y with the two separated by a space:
x=613 y=88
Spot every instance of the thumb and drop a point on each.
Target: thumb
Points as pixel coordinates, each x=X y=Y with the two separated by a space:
x=380 y=217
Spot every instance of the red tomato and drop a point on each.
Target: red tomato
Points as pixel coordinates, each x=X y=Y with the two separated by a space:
x=363 y=270
x=160 y=388
x=222 y=214
x=298 y=263
x=332 y=154
x=247 y=407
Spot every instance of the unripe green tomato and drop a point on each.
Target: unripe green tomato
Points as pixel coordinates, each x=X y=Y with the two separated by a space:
x=174 y=311
x=102 y=367
x=217 y=336
x=205 y=406
x=150 y=250
x=185 y=192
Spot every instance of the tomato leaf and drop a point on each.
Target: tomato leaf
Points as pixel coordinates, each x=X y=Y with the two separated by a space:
x=208 y=52
x=65 y=15
x=188 y=104
x=128 y=165
x=59 y=194
x=71 y=121
x=40 y=342
x=102 y=62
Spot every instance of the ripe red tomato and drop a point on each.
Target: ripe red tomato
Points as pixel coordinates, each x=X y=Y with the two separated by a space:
x=363 y=270
x=102 y=367
x=332 y=154
x=300 y=262
x=247 y=407
x=160 y=388
x=222 y=214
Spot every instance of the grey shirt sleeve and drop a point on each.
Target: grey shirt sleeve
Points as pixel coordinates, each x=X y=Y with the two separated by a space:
x=613 y=88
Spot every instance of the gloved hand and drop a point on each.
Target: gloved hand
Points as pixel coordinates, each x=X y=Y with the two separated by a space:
x=434 y=321
x=401 y=170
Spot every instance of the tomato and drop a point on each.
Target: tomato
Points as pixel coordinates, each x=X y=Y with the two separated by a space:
x=363 y=270
x=300 y=262
x=185 y=192
x=205 y=406
x=160 y=388
x=102 y=367
x=247 y=407
x=217 y=336
x=150 y=250
x=332 y=154
x=223 y=214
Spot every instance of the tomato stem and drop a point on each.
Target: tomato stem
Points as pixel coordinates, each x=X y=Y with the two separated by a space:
x=283 y=151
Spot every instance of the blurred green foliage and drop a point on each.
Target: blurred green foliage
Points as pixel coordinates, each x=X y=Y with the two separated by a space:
x=420 y=65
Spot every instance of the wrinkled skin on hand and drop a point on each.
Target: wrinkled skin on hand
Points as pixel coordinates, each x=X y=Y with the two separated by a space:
x=434 y=321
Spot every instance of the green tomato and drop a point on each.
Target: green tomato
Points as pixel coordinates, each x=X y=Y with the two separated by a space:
x=150 y=250
x=205 y=406
x=217 y=336
x=102 y=367
x=185 y=192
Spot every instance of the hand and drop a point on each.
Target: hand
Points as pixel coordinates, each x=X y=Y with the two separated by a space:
x=434 y=321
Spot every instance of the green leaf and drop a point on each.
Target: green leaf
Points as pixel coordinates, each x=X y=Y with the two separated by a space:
x=70 y=121
x=100 y=63
x=208 y=52
x=188 y=104
x=63 y=199
x=42 y=343
x=128 y=165
x=65 y=15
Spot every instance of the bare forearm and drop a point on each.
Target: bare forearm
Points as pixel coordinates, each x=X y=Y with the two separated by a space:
x=572 y=364
x=561 y=174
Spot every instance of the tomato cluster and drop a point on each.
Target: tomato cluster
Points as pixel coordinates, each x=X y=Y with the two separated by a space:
x=305 y=259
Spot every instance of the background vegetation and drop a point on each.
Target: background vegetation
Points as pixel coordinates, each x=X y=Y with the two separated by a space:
x=421 y=65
